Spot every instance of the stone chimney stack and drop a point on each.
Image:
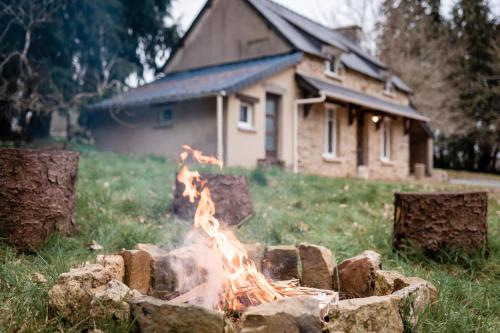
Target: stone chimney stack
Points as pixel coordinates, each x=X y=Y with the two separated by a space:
x=352 y=32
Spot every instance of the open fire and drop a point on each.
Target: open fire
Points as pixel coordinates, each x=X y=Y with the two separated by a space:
x=225 y=289
x=234 y=278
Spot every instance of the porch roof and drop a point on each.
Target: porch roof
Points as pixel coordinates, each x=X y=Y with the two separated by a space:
x=351 y=96
x=202 y=82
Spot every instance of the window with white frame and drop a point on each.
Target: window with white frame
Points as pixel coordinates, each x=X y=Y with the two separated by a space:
x=246 y=116
x=165 y=116
x=330 y=133
x=385 y=136
x=332 y=66
x=388 y=88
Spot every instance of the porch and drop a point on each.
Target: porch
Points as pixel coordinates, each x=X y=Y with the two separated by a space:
x=350 y=134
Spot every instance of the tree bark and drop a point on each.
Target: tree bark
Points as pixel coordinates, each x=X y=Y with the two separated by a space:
x=440 y=222
x=37 y=196
x=233 y=204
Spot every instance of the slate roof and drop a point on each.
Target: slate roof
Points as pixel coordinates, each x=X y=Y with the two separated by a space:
x=203 y=82
x=309 y=36
x=352 y=96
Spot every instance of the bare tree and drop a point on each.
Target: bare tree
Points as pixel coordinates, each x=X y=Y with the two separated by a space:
x=416 y=48
x=363 y=13
x=18 y=75
x=27 y=88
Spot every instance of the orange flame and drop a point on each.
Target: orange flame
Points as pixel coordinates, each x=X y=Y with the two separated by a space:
x=240 y=271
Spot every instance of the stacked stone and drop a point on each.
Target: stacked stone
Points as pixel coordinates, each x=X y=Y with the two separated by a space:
x=113 y=289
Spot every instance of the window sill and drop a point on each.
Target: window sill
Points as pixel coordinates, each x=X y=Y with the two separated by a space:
x=333 y=75
x=386 y=162
x=246 y=128
x=331 y=159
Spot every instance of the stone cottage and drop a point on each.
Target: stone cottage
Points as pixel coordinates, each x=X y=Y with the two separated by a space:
x=255 y=83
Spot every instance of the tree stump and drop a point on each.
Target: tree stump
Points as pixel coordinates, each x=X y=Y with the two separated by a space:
x=37 y=195
x=435 y=222
x=233 y=205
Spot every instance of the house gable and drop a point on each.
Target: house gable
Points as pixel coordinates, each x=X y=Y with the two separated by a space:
x=226 y=31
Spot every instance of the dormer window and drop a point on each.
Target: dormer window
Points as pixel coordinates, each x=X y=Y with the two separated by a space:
x=388 y=87
x=332 y=66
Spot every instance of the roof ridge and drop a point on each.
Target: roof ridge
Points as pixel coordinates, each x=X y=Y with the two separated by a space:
x=301 y=15
x=199 y=83
x=342 y=40
x=229 y=63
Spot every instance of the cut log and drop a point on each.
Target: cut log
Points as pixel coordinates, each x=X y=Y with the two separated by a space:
x=37 y=195
x=435 y=222
x=233 y=205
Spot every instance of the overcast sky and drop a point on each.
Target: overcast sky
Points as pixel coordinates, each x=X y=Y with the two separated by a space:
x=186 y=10
x=329 y=12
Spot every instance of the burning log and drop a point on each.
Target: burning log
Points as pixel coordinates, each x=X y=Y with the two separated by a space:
x=288 y=288
x=235 y=278
x=278 y=285
x=190 y=295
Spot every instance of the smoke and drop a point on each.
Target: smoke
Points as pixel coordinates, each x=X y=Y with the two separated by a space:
x=198 y=263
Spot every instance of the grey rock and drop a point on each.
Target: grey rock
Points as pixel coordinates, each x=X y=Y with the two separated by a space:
x=154 y=315
x=287 y=315
x=317 y=266
x=280 y=262
x=355 y=276
x=114 y=264
x=365 y=315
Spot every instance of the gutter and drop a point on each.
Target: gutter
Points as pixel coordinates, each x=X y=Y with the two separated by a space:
x=220 y=123
x=314 y=100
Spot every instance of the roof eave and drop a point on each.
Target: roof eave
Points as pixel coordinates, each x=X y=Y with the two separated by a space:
x=310 y=87
x=378 y=108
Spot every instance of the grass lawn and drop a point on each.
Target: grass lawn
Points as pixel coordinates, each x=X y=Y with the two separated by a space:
x=124 y=200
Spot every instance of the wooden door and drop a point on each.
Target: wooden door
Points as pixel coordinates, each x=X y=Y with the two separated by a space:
x=272 y=113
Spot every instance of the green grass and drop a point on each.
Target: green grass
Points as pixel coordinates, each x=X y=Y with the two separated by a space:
x=124 y=200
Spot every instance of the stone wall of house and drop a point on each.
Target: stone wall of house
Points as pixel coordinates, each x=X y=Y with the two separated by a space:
x=398 y=165
x=311 y=144
x=314 y=66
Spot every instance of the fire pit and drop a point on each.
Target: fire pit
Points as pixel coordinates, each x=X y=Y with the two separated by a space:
x=214 y=283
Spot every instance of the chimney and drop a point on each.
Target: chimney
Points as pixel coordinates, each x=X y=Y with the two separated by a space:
x=352 y=32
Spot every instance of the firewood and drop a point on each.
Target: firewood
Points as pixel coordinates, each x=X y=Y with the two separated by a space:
x=287 y=288
x=190 y=295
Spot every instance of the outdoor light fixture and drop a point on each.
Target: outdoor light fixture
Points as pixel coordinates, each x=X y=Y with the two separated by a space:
x=375 y=119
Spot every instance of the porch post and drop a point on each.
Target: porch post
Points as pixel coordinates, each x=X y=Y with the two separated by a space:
x=220 y=129
x=430 y=155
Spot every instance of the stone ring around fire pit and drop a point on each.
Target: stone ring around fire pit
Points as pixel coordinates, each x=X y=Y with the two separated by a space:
x=137 y=286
